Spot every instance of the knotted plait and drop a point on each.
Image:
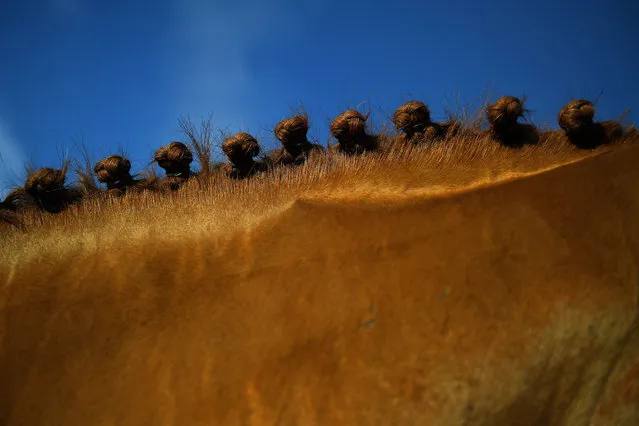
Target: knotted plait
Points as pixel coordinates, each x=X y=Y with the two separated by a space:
x=113 y=168
x=348 y=124
x=576 y=114
x=505 y=111
x=176 y=152
x=241 y=145
x=411 y=115
x=44 y=180
x=292 y=129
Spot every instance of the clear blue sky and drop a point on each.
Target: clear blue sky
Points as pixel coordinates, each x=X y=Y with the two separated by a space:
x=120 y=73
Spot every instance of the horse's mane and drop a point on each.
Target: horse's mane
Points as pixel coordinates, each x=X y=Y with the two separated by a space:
x=220 y=205
x=468 y=152
x=453 y=282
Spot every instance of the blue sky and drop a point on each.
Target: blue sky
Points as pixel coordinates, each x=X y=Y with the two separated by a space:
x=120 y=73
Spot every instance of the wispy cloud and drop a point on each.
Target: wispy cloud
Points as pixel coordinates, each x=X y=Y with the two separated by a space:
x=12 y=160
x=214 y=43
x=73 y=9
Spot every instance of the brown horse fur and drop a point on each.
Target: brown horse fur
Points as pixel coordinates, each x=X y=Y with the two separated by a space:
x=577 y=121
x=292 y=133
x=413 y=120
x=175 y=158
x=504 y=127
x=339 y=296
x=349 y=128
x=241 y=150
x=154 y=310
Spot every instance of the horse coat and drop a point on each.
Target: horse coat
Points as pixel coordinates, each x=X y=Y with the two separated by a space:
x=508 y=302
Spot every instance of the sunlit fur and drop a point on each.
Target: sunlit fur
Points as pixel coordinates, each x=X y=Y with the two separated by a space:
x=462 y=282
